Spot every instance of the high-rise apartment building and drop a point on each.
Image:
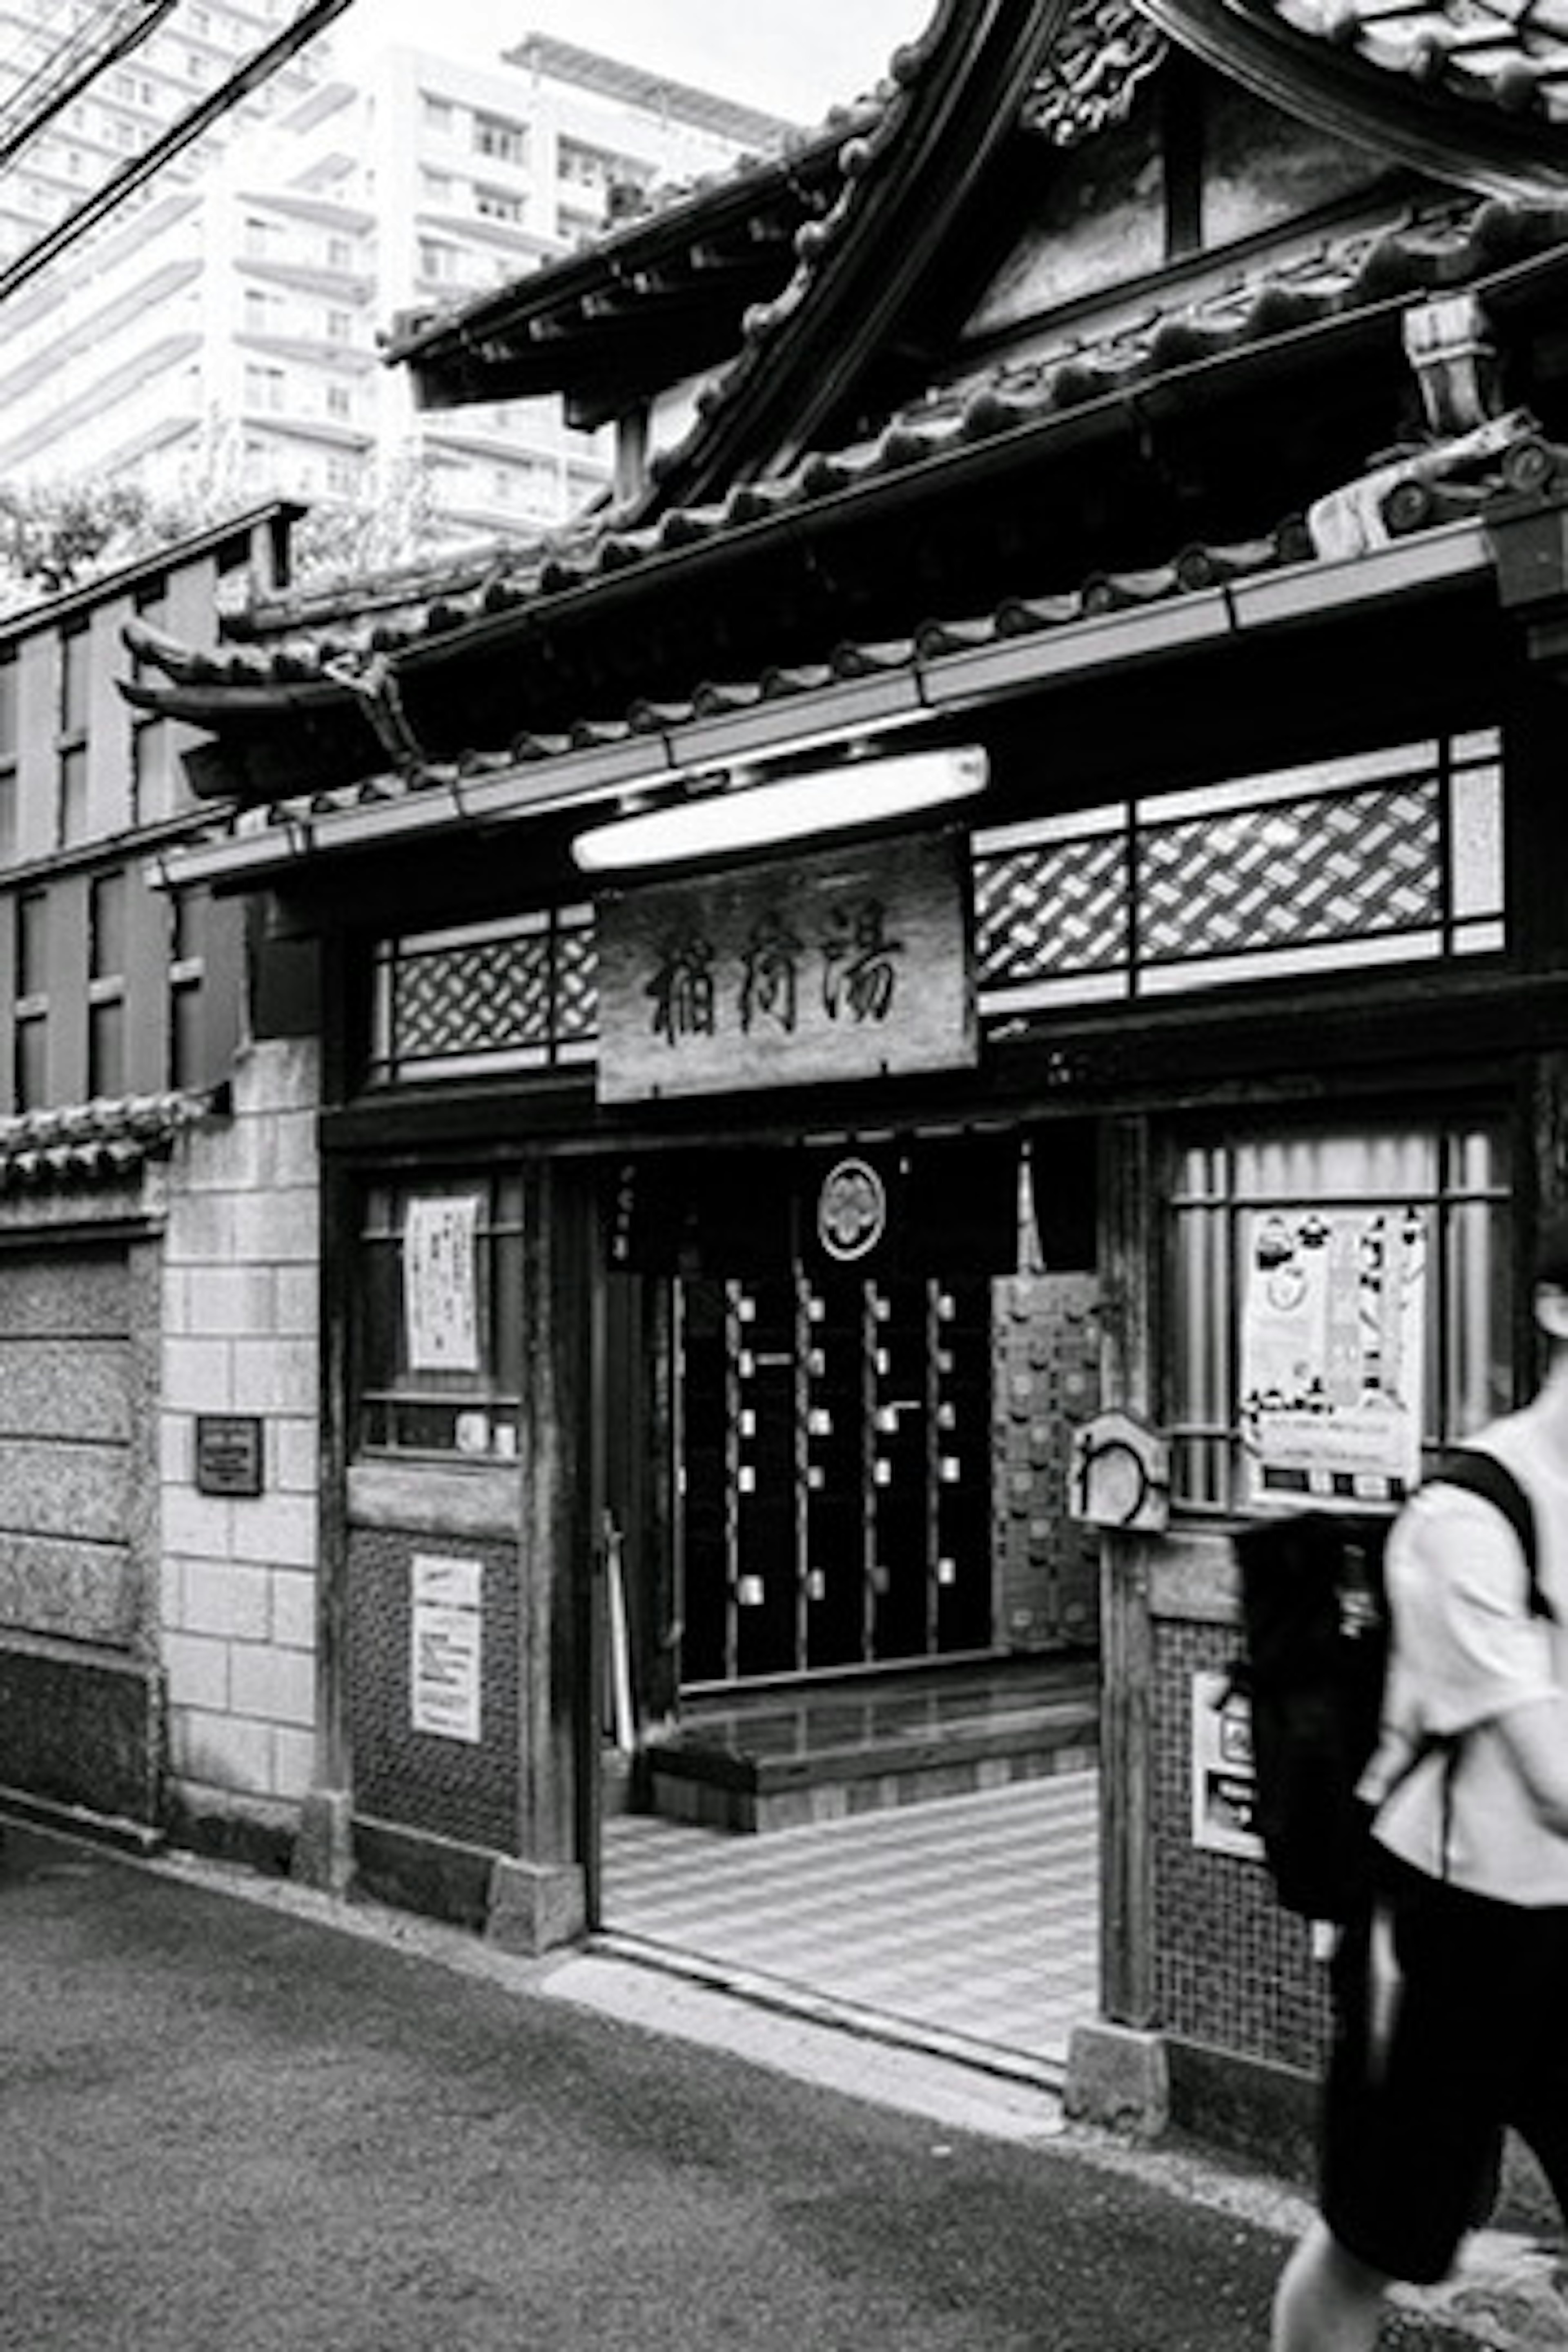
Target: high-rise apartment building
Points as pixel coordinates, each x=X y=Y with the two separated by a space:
x=217 y=338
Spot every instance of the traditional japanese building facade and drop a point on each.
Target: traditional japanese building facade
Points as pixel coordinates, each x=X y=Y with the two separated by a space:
x=1078 y=641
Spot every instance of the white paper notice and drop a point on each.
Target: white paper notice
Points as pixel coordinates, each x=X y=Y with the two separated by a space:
x=1333 y=1352
x=1224 y=1786
x=445 y=1622
x=440 y=1284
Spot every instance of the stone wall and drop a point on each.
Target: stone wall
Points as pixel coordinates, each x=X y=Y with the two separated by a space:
x=81 y=1693
x=67 y=1461
x=240 y=1336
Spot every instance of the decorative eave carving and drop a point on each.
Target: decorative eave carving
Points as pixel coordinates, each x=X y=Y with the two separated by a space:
x=1471 y=434
x=1105 y=52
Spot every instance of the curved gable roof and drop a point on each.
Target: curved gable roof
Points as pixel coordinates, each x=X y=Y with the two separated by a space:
x=1471 y=92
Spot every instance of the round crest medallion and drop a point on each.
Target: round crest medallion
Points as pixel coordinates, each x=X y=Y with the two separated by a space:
x=851 y=1210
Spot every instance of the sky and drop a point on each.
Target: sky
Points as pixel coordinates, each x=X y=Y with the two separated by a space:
x=793 y=57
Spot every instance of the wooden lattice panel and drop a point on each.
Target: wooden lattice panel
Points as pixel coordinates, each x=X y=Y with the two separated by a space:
x=473 y=1000
x=525 y=992
x=1293 y=874
x=1060 y=906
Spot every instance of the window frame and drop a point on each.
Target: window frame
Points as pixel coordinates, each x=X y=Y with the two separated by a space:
x=1469 y=1374
x=397 y=1410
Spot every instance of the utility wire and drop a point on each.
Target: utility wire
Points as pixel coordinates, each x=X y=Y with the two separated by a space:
x=138 y=169
x=73 y=66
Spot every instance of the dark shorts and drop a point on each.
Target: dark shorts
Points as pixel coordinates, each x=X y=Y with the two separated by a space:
x=1413 y=2132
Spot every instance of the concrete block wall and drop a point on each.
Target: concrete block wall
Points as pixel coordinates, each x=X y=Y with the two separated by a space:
x=241 y=1265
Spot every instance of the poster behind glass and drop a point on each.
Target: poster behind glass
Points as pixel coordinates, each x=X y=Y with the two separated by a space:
x=1333 y=1303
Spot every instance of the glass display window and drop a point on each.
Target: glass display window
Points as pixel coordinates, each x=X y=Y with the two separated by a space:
x=1339 y=1305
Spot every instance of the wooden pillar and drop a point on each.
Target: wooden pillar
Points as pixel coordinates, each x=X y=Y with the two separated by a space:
x=1127 y=1372
x=324 y=1853
x=541 y=1899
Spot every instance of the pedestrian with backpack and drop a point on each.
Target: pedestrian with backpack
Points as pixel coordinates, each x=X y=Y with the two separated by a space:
x=1451 y=1982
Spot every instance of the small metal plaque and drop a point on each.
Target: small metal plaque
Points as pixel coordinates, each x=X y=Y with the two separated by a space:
x=228 y=1453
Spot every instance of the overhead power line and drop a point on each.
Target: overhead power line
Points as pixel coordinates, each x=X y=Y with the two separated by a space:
x=180 y=135
x=73 y=66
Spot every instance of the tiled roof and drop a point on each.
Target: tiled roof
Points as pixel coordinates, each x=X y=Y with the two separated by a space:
x=699 y=257
x=310 y=651
x=1511 y=54
x=1101 y=56
x=1471 y=93
x=1417 y=501
x=96 y=1142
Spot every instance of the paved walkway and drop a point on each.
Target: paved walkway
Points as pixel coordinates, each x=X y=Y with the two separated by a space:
x=975 y=1917
x=282 y=2124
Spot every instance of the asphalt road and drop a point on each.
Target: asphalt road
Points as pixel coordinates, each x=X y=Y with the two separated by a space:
x=224 y=2128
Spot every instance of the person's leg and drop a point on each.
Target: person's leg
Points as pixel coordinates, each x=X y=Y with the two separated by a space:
x=1409 y=2123
x=1328 y=2299
x=1539 y=2110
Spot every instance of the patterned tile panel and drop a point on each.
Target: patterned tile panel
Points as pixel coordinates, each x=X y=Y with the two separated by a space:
x=1046 y=1381
x=1231 y=1969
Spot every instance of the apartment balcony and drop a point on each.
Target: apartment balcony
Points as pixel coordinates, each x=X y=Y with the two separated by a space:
x=314 y=350
x=356 y=286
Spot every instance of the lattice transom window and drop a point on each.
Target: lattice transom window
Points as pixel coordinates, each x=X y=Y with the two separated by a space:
x=516 y=995
x=1390 y=856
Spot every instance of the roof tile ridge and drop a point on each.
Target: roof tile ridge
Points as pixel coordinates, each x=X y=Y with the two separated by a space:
x=870 y=139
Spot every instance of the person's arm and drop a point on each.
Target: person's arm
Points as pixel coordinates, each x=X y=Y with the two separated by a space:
x=1473 y=1651
x=1536 y=1737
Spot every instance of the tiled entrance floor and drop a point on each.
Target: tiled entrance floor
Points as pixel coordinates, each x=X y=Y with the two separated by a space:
x=972 y=1916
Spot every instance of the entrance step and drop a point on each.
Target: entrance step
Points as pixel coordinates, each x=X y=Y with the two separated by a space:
x=781 y=1760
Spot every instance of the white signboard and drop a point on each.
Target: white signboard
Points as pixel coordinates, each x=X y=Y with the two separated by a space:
x=446 y=1622
x=1332 y=1353
x=1223 y=1783
x=440 y=1284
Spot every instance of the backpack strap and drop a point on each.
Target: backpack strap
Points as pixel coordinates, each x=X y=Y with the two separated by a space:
x=1478 y=1472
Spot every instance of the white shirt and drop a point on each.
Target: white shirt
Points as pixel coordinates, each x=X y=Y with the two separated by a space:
x=1465 y=1652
